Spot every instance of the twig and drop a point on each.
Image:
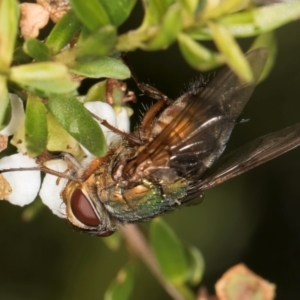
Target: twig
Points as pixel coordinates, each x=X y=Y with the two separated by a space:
x=139 y=245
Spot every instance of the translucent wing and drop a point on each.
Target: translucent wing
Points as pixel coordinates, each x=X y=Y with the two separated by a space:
x=198 y=135
x=249 y=156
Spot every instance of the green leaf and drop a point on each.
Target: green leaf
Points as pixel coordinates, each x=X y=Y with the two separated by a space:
x=9 y=18
x=189 y=5
x=48 y=77
x=78 y=122
x=37 y=50
x=276 y=15
x=59 y=140
x=171 y=26
x=200 y=33
x=5 y=106
x=197 y=55
x=20 y=57
x=121 y=288
x=231 y=51
x=118 y=11
x=160 y=6
x=101 y=67
x=135 y=39
x=155 y=11
x=262 y=19
x=96 y=92
x=266 y=40
x=84 y=34
x=35 y=126
x=196 y=265
x=169 y=252
x=91 y=13
x=241 y=24
x=63 y=32
x=99 y=43
x=220 y=9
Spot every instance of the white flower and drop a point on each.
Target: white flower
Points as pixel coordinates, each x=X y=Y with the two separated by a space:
x=106 y=112
x=27 y=184
x=52 y=187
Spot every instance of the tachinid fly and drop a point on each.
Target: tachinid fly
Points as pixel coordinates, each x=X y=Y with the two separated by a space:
x=174 y=155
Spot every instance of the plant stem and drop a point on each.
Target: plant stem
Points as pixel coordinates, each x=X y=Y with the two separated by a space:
x=139 y=245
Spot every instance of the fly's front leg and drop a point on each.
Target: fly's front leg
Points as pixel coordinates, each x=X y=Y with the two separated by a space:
x=73 y=166
x=153 y=93
x=75 y=170
x=81 y=173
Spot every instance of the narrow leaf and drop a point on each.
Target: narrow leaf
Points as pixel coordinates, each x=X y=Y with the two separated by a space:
x=35 y=126
x=231 y=51
x=91 y=13
x=241 y=24
x=96 y=92
x=189 y=5
x=197 y=55
x=169 y=252
x=196 y=265
x=48 y=77
x=5 y=106
x=262 y=19
x=155 y=11
x=37 y=50
x=78 y=122
x=266 y=40
x=171 y=26
x=161 y=6
x=62 y=33
x=220 y=8
x=9 y=16
x=59 y=140
x=99 y=43
x=273 y=16
x=121 y=288
x=101 y=67
x=118 y=11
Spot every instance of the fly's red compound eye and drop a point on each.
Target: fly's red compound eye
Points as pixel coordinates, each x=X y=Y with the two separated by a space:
x=83 y=210
x=106 y=233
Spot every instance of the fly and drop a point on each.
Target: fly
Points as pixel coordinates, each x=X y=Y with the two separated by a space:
x=173 y=157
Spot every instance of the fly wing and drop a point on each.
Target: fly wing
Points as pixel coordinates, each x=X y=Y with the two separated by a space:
x=250 y=156
x=198 y=135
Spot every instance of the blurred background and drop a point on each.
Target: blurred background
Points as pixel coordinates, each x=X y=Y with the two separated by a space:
x=253 y=218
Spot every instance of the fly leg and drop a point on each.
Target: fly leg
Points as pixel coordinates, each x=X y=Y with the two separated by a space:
x=75 y=170
x=151 y=92
x=161 y=98
x=73 y=166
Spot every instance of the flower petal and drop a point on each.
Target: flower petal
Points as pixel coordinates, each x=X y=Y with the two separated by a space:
x=52 y=187
x=123 y=122
x=25 y=184
x=17 y=116
x=106 y=112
